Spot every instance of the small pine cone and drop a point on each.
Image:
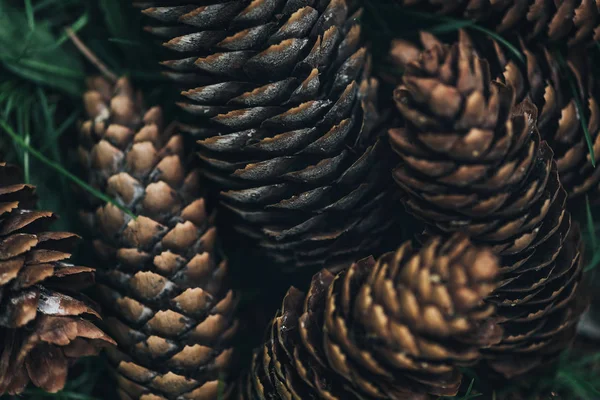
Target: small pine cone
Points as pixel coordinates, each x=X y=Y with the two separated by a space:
x=164 y=281
x=573 y=21
x=45 y=325
x=548 y=85
x=472 y=161
x=398 y=328
x=289 y=128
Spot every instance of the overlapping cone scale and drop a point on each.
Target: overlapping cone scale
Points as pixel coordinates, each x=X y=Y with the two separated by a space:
x=563 y=91
x=556 y=21
x=45 y=325
x=472 y=161
x=396 y=328
x=281 y=97
x=163 y=280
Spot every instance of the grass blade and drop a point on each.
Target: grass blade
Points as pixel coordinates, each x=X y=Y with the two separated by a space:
x=62 y=170
x=29 y=13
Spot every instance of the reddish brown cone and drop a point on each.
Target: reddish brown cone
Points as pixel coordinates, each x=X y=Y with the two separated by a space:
x=45 y=324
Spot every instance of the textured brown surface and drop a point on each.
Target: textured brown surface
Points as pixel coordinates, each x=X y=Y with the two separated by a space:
x=571 y=21
x=280 y=95
x=398 y=328
x=164 y=282
x=45 y=325
x=472 y=161
x=550 y=86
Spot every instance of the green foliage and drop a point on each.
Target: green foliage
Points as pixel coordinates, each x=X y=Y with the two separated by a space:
x=577 y=377
x=33 y=51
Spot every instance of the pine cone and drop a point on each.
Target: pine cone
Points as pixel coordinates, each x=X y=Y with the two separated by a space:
x=398 y=328
x=472 y=161
x=573 y=21
x=286 y=113
x=165 y=283
x=548 y=84
x=45 y=325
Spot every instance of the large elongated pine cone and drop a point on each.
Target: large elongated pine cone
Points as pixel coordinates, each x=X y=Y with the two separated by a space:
x=398 y=328
x=472 y=161
x=283 y=103
x=164 y=281
x=550 y=85
x=45 y=325
x=571 y=21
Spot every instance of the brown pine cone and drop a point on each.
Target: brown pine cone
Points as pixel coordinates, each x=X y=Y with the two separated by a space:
x=548 y=85
x=281 y=98
x=164 y=280
x=472 y=161
x=398 y=328
x=573 y=21
x=45 y=325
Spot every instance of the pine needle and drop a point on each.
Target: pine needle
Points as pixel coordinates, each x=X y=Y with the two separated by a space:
x=450 y=26
x=91 y=56
x=20 y=141
x=29 y=13
x=221 y=388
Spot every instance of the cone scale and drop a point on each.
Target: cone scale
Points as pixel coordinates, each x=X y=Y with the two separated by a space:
x=45 y=324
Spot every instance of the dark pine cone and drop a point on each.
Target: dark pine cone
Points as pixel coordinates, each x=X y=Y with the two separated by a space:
x=281 y=98
x=472 y=161
x=45 y=324
x=398 y=328
x=164 y=281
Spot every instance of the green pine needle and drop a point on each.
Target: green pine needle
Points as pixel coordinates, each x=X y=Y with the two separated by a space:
x=221 y=388
x=450 y=26
x=21 y=142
